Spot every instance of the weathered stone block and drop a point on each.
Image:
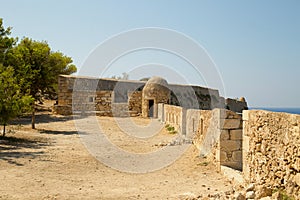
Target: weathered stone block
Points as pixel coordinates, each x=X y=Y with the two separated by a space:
x=218 y=156
x=230 y=124
x=297 y=179
x=233 y=164
x=245 y=115
x=223 y=156
x=237 y=156
x=230 y=145
x=236 y=134
x=224 y=135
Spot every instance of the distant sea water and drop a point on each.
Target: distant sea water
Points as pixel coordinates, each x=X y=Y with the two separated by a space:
x=287 y=110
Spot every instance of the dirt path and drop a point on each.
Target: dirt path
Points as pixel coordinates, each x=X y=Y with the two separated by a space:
x=53 y=163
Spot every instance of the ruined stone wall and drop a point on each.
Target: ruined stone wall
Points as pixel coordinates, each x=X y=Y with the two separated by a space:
x=271 y=150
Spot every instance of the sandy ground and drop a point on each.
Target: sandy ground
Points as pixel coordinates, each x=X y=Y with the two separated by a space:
x=51 y=162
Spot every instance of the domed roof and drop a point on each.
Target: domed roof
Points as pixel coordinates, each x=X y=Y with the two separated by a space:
x=156 y=80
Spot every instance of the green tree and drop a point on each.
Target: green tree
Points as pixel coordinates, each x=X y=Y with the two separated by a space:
x=6 y=42
x=37 y=69
x=12 y=102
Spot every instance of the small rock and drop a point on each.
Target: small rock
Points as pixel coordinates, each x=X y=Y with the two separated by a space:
x=250 y=187
x=277 y=196
x=266 y=198
x=297 y=179
x=250 y=195
x=239 y=196
x=263 y=192
x=187 y=195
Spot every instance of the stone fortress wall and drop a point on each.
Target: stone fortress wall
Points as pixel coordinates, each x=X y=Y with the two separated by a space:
x=99 y=96
x=264 y=146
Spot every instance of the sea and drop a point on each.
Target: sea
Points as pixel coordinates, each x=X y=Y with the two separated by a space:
x=286 y=110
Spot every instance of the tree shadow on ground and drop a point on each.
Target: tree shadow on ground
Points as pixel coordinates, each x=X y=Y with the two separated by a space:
x=41 y=118
x=54 y=132
x=12 y=149
x=12 y=157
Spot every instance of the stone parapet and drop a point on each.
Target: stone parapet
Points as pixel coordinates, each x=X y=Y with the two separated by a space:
x=271 y=150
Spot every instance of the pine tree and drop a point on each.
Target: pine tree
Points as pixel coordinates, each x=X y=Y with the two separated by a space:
x=12 y=102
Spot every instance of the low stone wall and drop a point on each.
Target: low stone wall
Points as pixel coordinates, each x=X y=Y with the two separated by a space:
x=207 y=132
x=175 y=116
x=271 y=150
x=218 y=135
x=192 y=122
x=160 y=112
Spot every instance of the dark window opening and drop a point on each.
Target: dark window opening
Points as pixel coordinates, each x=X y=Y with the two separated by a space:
x=91 y=99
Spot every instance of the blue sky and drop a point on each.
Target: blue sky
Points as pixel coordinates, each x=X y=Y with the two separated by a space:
x=255 y=44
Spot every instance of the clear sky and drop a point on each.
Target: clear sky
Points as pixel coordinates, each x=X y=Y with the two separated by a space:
x=255 y=44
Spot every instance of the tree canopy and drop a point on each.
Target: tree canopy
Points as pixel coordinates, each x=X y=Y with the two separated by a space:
x=6 y=42
x=38 y=67
x=12 y=102
x=34 y=65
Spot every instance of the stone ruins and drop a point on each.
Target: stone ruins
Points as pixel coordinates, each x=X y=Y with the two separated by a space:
x=260 y=148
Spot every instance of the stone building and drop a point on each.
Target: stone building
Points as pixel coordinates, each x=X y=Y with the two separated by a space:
x=110 y=97
x=155 y=91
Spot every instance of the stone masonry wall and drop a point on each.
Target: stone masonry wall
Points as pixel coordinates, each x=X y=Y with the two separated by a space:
x=174 y=116
x=189 y=97
x=120 y=110
x=271 y=150
x=206 y=135
x=229 y=151
x=64 y=105
x=219 y=135
x=135 y=102
x=104 y=102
